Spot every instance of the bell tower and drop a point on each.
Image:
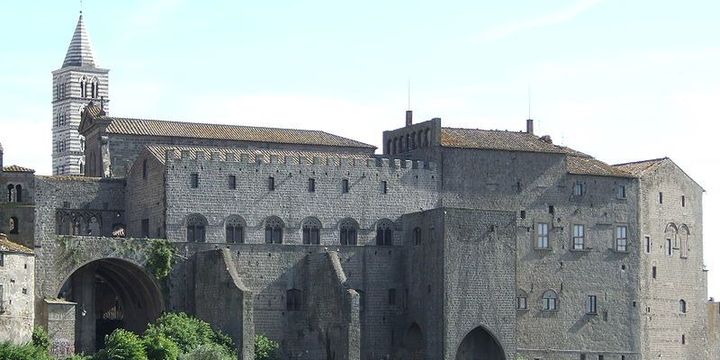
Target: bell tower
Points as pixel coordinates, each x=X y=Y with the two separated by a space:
x=78 y=82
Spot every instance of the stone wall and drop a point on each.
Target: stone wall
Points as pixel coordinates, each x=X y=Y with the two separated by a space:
x=17 y=315
x=145 y=200
x=23 y=211
x=61 y=327
x=677 y=277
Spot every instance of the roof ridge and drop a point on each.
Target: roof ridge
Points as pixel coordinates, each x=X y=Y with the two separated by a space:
x=642 y=161
x=212 y=124
x=497 y=130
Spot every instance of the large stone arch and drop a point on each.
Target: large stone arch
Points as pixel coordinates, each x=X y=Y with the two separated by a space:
x=414 y=343
x=480 y=344
x=110 y=293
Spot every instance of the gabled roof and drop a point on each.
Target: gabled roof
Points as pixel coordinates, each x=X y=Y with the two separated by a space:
x=159 y=151
x=162 y=128
x=497 y=140
x=15 y=168
x=646 y=167
x=79 y=52
x=8 y=246
x=586 y=165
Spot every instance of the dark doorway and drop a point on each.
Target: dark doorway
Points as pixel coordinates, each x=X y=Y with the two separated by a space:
x=479 y=344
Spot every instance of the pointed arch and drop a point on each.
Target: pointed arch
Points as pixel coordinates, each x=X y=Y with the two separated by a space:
x=195 y=225
x=274 y=230
x=384 y=232
x=348 y=231
x=311 y=230
x=235 y=229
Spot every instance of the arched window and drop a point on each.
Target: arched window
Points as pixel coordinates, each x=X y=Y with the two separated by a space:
x=684 y=235
x=384 y=233
x=682 y=306
x=549 y=300
x=417 y=235
x=18 y=193
x=419 y=139
x=94 y=89
x=407 y=142
x=195 y=225
x=13 y=225
x=93 y=228
x=521 y=300
x=11 y=193
x=412 y=140
x=234 y=230
x=83 y=87
x=311 y=231
x=77 y=226
x=348 y=232
x=293 y=299
x=273 y=230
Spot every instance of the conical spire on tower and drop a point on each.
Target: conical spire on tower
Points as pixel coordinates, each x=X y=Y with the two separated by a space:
x=80 y=51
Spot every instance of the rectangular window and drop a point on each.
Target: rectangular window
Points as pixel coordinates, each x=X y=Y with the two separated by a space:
x=2 y=259
x=145 y=228
x=579 y=189
x=601 y=357
x=654 y=272
x=194 y=180
x=583 y=357
x=2 y=300
x=383 y=187
x=271 y=183
x=542 y=236
x=345 y=186
x=621 y=192
x=311 y=185
x=551 y=209
x=660 y=197
x=232 y=182
x=578 y=237
x=621 y=238
x=682 y=200
x=391 y=296
x=591 y=305
x=522 y=303
x=648 y=245
x=668 y=246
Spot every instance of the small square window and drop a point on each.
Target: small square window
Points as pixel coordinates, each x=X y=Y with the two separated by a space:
x=194 y=180
x=232 y=182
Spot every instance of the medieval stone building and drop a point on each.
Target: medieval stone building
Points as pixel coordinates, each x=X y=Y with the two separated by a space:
x=450 y=244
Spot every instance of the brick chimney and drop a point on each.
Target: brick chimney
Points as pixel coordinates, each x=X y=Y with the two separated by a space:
x=408 y=118
x=529 y=127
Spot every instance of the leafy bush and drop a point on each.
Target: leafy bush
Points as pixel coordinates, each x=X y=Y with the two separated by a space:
x=266 y=349
x=79 y=357
x=208 y=352
x=122 y=345
x=9 y=351
x=159 y=347
x=188 y=332
x=40 y=338
x=161 y=258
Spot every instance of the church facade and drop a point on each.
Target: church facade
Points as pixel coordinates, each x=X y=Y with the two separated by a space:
x=450 y=244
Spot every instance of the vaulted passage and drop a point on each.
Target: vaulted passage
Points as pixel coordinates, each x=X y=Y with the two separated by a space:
x=110 y=294
x=479 y=345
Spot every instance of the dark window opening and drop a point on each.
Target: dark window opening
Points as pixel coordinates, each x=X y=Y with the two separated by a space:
x=383 y=187
x=654 y=272
x=311 y=232
x=551 y=209
x=293 y=299
x=660 y=197
x=234 y=234
x=144 y=169
x=417 y=235
x=391 y=296
x=145 y=228
x=384 y=234
x=194 y=180
x=348 y=233
x=196 y=229
x=345 y=186
x=271 y=183
x=232 y=182
x=273 y=231
x=682 y=200
x=591 y=305
x=311 y=185
x=13 y=225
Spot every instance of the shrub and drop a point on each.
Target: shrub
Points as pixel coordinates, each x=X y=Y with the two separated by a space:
x=161 y=258
x=122 y=345
x=40 y=338
x=265 y=349
x=209 y=352
x=159 y=347
x=9 y=351
x=188 y=332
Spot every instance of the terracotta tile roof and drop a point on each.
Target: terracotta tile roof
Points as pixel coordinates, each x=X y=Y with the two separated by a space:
x=15 y=168
x=640 y=168
x=158 y=151
x=228 y=132
x=497 y=140
x=8 y=246
x=585 y=165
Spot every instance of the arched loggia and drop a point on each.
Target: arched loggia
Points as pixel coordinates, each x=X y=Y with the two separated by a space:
x=110 y=293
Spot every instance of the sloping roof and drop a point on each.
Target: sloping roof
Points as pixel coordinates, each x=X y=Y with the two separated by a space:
x=128 y=126
x=79 y=52
x=585 y=165
x=496 y=140
x=16 y=168
x=159 y=151
x=640 y=168
x=9 y=246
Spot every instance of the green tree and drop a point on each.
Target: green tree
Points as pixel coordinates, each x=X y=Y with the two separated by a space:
x=208 y=352
x=40 y=338
x=122 y=345
x=188 y=332
x=159 y=347
x=161 y=258
x=266 y=349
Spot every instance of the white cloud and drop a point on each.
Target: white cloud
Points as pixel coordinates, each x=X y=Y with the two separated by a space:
x=559 y=16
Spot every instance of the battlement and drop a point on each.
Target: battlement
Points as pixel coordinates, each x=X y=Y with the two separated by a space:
x=292 y=159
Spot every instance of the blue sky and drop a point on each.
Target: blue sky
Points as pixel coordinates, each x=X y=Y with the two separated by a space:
x=621 y=80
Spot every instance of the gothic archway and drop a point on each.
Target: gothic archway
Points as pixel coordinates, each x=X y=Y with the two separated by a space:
x=415 y=343
x=110 y=293
x=479 y=344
